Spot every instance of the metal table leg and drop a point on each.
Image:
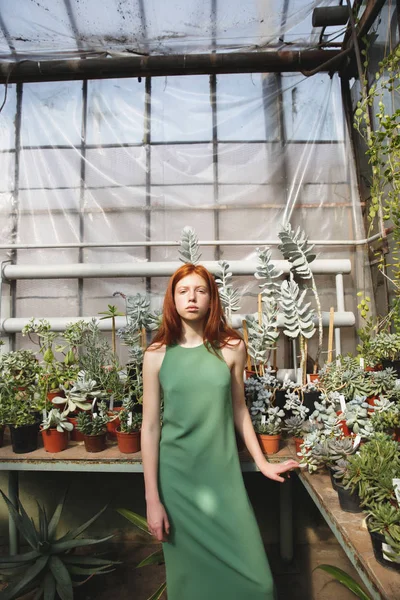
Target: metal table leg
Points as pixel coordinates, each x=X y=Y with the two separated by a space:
x=286 y=521
x=13 y=496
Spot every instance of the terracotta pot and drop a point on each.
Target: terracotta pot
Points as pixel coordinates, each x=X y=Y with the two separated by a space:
x=51 y=395
x=297 y=442
x=343 y=425
x=250 y=374
x=95 y=443
x=128 y=443
x=75 y=435
x=269 y=443
x=112 y=426
x=396 y=434
x=54 y=441
x=314 y=377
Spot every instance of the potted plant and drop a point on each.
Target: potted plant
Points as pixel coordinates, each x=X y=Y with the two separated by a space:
x=48 y=556
x=386 y=348
x=383 y=524
x=19 y=370
x=24 y=427
x=268 y=429
x=55 y=428
x=387 y=421
x=93 y=426
x=128 y=433
x=297 y=426
x=381 y=383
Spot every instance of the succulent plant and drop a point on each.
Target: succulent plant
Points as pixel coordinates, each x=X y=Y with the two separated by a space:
x=57 y=420
x=189 y=250
x=229 y=295
x=273 y=421
x=92 y=424
x=49 y=566
x=130 y=421
x=382 y=382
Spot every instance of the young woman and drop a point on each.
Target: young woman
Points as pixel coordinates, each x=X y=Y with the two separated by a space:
x=196 y=500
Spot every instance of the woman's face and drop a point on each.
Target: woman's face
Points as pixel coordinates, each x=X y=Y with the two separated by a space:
x=192 y=298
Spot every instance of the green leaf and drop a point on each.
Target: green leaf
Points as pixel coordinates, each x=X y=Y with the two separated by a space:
x=134 y=518
x=56 y=518
x=158 y=593
x=154 y=559
x=49 y=587
x=61 y=546
x=88 y=560
x=20 y=558
x=75 y=532
x=346 y=580
x=22 y=522
x=62 y=577
x=74 y=570
x=14 y=591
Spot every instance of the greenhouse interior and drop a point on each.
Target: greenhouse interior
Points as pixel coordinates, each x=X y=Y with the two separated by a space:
x=188 y=186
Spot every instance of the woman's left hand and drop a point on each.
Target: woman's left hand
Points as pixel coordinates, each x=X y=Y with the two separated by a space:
x=274 y=470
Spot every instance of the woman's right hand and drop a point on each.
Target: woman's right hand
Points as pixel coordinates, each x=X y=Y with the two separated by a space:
x=157 y=521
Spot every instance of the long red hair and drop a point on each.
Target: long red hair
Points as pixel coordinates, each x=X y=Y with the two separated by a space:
x=216 y=330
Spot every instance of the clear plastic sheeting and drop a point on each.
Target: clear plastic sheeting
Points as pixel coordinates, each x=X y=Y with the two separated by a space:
x=46 y=29
x=113 y=161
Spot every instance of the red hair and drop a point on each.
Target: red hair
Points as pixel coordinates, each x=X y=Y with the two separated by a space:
x=216 y=330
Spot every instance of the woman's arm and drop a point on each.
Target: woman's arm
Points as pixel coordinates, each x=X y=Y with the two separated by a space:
x=150 y=439
x=243 y=422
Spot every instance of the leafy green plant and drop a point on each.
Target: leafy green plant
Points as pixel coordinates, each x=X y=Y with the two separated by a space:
x=386 y=421
x=229 y=295
x=92 y=424
x=189 y=246
x=298 y=252
x=112 y=313
x=57 y=420
x=386 y=346
x=382 y=382
x=297 y=316
x=51 y=567
x=18 y=369
x=155 y=558
x=346 y=580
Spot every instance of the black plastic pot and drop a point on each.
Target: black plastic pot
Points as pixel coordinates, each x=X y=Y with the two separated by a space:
x=394 y=364
x=24 y=439
x=377 y=540
x=334 y=482
x=280 y=398
x=348 y=502
x=309 y=399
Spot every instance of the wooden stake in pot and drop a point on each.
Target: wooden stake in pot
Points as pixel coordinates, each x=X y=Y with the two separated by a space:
x=246 y=341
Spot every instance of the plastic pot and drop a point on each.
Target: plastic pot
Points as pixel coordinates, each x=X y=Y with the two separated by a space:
x=95 y=443
x=394 y=364
x=334 y=482
x=54 y=441
x=297 y=442
x=113 y=425
x=269 y=443
x=75 y=435
x=128 y=443
x=343 y=425
x=24 y=439
x=280 y=398
x=379 y=545
x=309 y=398
x=348 y=502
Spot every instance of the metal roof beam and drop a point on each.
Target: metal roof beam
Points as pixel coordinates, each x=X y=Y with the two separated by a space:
x=163 y=65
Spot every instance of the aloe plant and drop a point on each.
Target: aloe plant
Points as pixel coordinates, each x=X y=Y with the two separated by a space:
x=298 y=252
x=189 y=250
x=50 y=567
x=156 y=557
x=298 y=317
x=230 y=296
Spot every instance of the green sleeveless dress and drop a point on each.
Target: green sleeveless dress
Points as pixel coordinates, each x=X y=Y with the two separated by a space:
x=214 y=550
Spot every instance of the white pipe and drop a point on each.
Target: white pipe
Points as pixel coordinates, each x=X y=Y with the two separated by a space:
x=15 y=325
x=154 y=269
x=340 y=307
x=154 y=244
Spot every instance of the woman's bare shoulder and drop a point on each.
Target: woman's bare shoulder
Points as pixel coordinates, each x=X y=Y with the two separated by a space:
x=154 y=354
x=236 y=345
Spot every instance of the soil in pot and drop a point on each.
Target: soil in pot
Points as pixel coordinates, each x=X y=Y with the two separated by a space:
x=95 y=443
x=128 y=443
x=54 y=441
x=269 y=443
x=379 y=545
x=348 y=502
x=24 y=439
